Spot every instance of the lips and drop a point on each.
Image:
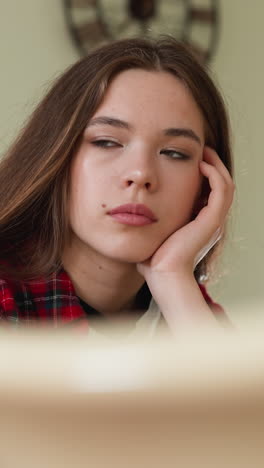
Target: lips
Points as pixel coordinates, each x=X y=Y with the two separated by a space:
x=133 y=214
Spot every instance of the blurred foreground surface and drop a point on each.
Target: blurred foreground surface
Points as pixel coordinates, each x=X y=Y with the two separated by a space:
x=70 y=402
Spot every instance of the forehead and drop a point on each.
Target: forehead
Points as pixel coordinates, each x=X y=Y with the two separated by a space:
x=151 y=97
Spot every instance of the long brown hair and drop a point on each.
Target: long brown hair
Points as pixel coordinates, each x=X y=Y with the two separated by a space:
x=34 y=174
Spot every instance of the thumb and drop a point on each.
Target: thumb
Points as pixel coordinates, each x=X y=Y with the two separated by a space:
x=142 y=268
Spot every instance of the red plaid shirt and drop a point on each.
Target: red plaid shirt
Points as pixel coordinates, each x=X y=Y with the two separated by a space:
x=49 y=300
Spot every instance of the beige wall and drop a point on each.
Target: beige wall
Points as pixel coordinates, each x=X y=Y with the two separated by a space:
x=239 y=67
x=35 y=46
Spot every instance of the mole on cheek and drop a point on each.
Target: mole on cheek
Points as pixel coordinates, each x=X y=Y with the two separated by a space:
x=103 y=205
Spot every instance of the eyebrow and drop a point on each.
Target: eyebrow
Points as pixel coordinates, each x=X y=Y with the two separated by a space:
x=183 y=132
x=109 y=121
x=114 y=122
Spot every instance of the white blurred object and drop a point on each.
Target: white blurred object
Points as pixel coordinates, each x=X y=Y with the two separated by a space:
x=68 y=402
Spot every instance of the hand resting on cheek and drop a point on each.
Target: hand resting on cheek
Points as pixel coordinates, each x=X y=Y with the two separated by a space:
x=172 y=265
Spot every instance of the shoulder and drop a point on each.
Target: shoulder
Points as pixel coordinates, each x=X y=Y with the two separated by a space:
x=46 y=298
x=9 y=293
x=214 y=306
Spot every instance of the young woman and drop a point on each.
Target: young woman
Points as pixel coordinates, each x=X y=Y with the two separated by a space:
x=115 y=192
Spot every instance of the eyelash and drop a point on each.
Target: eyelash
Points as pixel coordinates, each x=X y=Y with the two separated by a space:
x=181 y=156
x=104 y=143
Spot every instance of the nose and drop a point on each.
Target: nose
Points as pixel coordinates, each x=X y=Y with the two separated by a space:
x=141 y=173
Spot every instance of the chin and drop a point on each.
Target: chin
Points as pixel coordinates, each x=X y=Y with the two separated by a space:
x=129 y=254
x=130 y=257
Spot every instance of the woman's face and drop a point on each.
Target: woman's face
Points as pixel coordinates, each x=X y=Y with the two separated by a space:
x=141 y=148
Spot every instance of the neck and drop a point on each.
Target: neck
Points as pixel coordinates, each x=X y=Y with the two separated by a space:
x=107 y=285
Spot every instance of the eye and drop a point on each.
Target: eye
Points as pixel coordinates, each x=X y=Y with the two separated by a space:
x=174 y=154
x=103 y=143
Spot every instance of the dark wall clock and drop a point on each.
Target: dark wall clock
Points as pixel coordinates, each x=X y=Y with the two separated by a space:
x=94 y=22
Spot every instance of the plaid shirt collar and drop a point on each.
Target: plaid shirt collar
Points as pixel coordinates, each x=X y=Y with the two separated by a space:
x=46 y=300
x=53 y=301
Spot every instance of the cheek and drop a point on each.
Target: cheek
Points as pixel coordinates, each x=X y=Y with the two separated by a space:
x=184 y=195
x=87 y=201
x=193 y=193
x=78 y=196
x=83 y=184
x=186 y=186
x=81 y=201
x=194 y=200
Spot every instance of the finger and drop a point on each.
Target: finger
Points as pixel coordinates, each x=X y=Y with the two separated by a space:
x=211 y=157
x=141 y=268
x=221 y=195
x=224 y=176
x=215 y=162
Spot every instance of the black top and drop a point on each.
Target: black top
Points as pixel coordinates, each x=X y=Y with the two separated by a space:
x=141 y=302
